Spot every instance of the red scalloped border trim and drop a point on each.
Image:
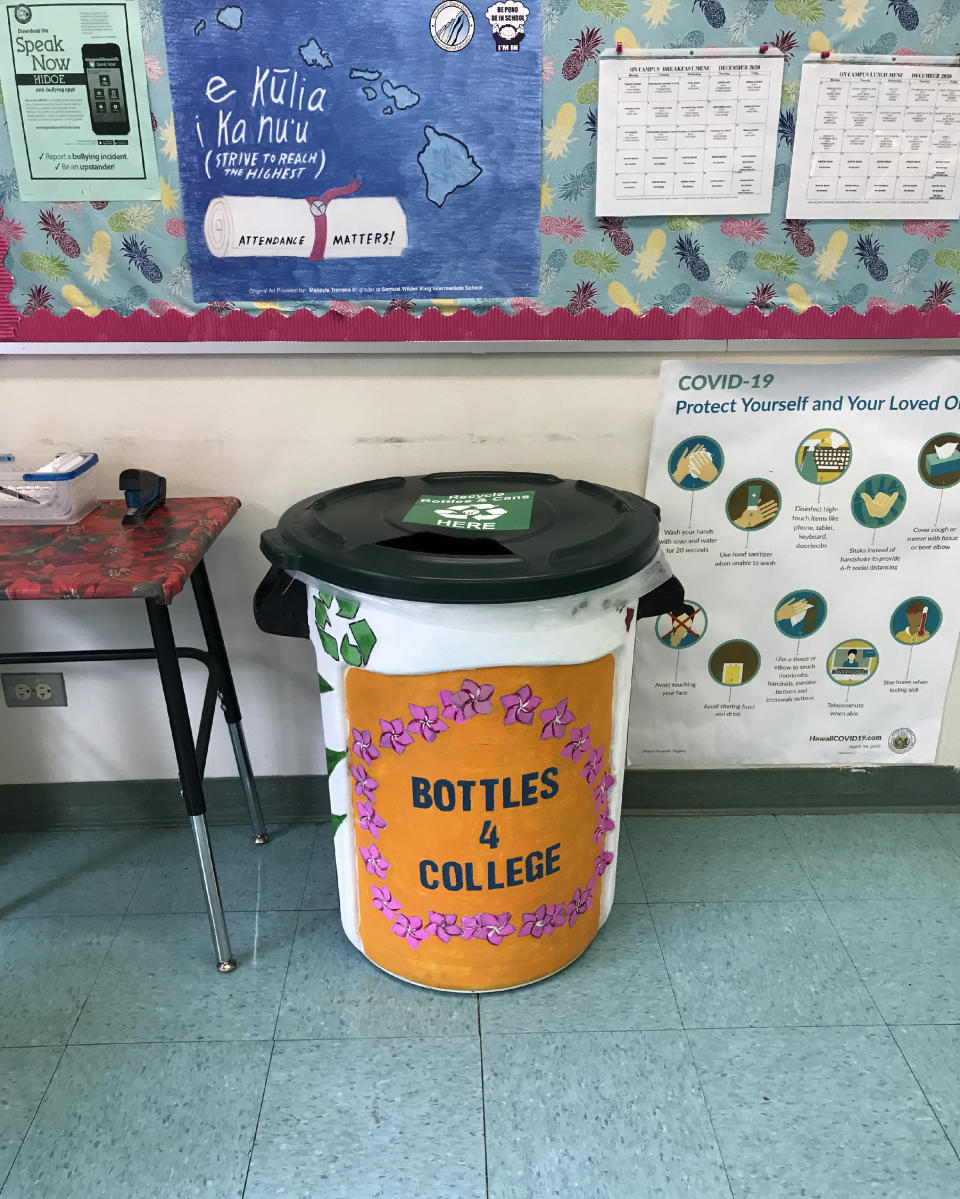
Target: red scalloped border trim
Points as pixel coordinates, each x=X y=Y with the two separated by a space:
x=9 y=316
x=465 y=326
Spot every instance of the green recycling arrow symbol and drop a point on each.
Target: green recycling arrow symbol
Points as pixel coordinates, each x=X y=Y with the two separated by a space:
x=356 y=643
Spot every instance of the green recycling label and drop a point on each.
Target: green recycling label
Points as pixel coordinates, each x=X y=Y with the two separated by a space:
x=491 y=510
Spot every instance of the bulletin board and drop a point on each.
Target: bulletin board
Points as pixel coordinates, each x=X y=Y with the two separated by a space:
x=66 y=277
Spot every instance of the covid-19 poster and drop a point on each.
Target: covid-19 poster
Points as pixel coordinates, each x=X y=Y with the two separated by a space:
x=349 y=149
x=813 y=516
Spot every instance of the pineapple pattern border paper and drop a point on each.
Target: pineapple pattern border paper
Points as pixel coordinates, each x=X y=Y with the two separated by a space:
x=131 y=257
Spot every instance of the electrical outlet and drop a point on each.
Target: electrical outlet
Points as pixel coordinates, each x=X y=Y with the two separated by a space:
x=34 y=690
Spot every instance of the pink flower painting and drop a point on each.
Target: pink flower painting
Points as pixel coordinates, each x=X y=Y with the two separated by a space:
x=520 y=706
x=473 y=699
x=601 y=862
x=383 y=901
x=426 y=723
x=478 y=696
x=555 y=721
x=374 y=861
x=594 y=765
x=543 y=921
x=370 y=820
x=578 y=744
x=601 y=791
x=604 y=826
x=393 y=735
x=363 y=746
x=487 y=927
x=364 y=786
x=579 y=904
x=443 y=925
x=411 y=929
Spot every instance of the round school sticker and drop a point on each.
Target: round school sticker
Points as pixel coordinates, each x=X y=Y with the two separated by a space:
x=452 y=26
x=481 y=814
x=901 y=741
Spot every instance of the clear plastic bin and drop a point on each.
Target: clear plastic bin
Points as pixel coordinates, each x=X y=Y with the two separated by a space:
x=59 y=493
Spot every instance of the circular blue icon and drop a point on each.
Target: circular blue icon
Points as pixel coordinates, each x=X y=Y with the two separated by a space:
x=682 y=628
x=916 y=620
x=800 y=613
x=939 y=461
x=852 y=662
x=734 y=663
x=823 y=456
x=695 y=463
x=878 y=501
x=754 y=504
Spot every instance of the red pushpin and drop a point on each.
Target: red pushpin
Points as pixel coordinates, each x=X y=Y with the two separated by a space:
x=619 y=47
x=824 y=53
x=764 y=48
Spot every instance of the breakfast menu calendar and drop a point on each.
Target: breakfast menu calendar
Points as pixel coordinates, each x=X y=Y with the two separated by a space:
x=687 y=133
x=877 y=138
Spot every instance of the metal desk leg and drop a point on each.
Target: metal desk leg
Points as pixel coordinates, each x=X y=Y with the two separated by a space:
x=228 y=697
x=191 y=784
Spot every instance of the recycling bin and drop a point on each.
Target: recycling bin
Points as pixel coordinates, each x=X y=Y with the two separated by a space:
x=474 y=638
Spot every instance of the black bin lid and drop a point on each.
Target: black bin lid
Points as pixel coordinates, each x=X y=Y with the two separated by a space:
x=378 y=537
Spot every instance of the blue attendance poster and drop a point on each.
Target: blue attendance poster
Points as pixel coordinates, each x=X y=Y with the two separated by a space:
x=356 y=149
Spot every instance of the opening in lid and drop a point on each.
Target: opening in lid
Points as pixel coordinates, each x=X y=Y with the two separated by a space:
x=442 y=545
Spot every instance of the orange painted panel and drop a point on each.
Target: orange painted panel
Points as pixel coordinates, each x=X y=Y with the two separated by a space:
x=480 y=811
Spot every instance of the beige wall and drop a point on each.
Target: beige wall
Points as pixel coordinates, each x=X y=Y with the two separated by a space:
x=271 y=430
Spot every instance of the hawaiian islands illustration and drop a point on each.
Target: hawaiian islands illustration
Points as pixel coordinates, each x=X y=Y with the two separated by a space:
x=402 y=97
x=447 y=164
x=314 y=55
x=230 y=17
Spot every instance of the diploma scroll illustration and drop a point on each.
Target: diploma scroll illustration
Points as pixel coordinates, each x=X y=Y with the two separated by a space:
x=337 y=224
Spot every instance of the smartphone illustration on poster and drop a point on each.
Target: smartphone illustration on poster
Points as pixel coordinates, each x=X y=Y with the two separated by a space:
x=106 y=93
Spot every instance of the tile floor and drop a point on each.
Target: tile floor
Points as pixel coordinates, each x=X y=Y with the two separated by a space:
x=772 y=1011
